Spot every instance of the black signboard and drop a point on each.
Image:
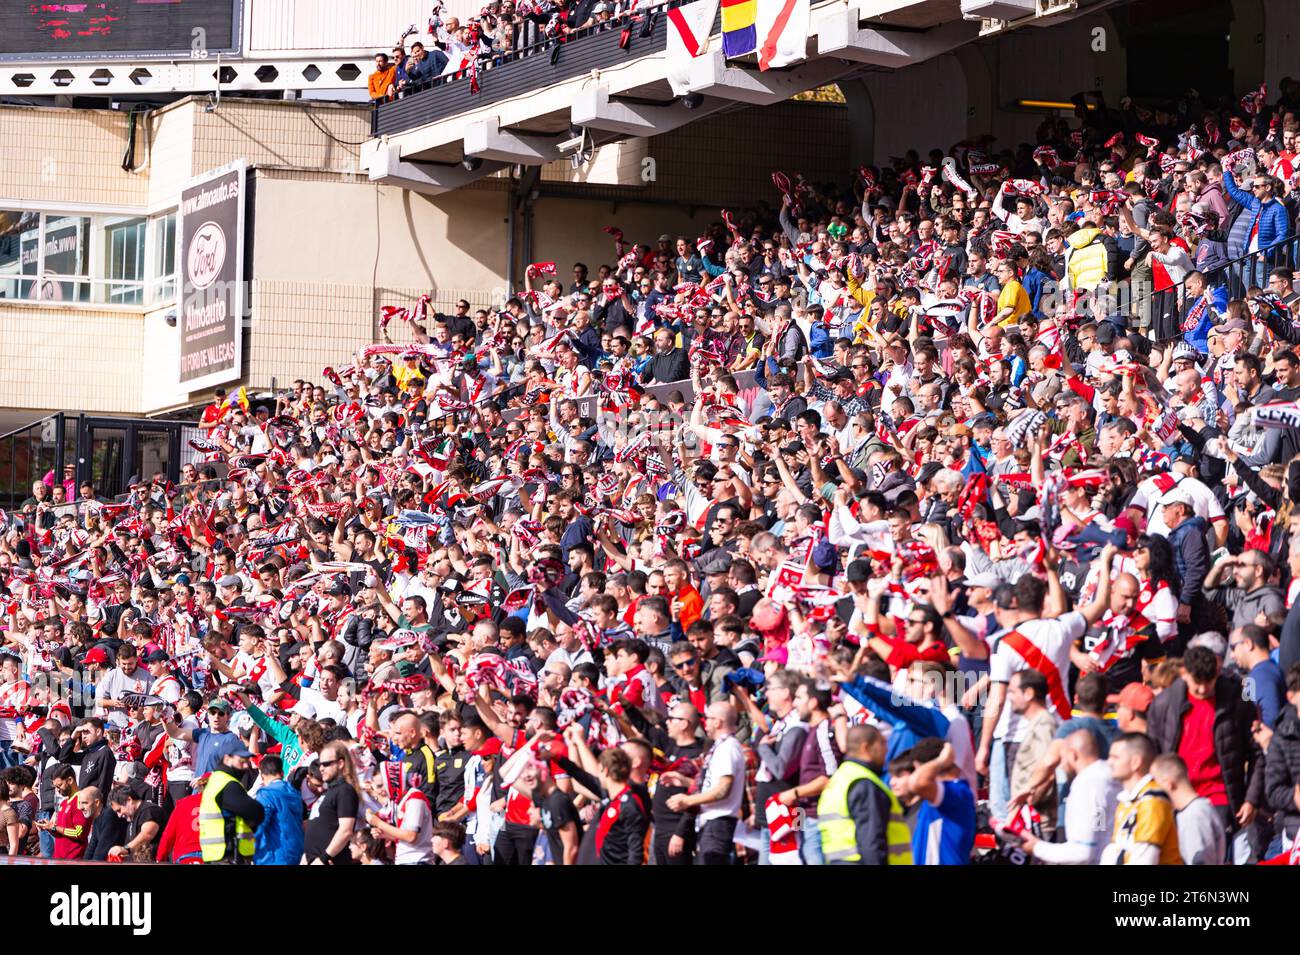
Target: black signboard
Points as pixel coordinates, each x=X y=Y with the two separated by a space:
x=211 y=266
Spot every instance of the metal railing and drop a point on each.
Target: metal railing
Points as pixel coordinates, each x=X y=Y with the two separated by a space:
x=647 y=28
x=1237 y=275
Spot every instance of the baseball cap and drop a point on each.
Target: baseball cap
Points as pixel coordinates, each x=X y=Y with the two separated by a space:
x=1105 y=333
x=339 y=588
x=776 y=655
x=983 y=580
x=1184 y=350
x=157 y=656
x=230 y=580
x=1213 y=641
x=305 y=709
x=95 y=655
x=824 y=556
x=219 y=704
x=859 y=570
x=1176 y=496
x=717 y=562
x=1136 y=697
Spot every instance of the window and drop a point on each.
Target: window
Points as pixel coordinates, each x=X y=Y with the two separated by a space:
x=19 y=253
x=115 y=260
x=124 y=250
x=163 y=273
x=65 y=248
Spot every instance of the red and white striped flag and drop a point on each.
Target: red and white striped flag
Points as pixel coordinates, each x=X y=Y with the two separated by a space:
x=782 y=32
x=688 y=37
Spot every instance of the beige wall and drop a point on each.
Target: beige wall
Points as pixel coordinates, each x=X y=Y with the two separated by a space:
x=67 y=155
x=328 y=252
x=73 y=358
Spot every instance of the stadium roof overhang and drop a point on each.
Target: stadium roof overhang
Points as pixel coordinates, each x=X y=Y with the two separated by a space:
x=529 y=111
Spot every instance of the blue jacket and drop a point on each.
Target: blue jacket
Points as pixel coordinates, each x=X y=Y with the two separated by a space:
x=912 y=720
x=278 y=840
x=1199 y=335
x=1274 y=225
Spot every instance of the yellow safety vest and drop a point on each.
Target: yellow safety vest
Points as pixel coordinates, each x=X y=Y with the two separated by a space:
x=838 y=830
x=215 y=837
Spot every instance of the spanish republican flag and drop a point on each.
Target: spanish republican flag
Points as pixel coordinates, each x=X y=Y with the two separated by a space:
x=739 y=33
x=239 y=398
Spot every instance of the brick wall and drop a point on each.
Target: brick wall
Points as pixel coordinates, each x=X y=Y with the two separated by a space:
x=70 y=357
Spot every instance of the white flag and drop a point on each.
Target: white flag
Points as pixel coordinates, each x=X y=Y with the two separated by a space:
x=688 y=37
x=782 y=32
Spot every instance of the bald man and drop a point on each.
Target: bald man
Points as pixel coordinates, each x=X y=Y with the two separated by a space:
x=407 y=732
x=1089 y=809
x=1121 y=640
x=719 y=797
x=107 y=828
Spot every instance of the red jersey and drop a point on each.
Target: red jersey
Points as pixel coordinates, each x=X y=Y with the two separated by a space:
x=71 y=830
x=180 y=840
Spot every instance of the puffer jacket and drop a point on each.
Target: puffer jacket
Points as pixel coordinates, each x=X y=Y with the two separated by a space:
x=1274 y=223
x=1087 y=264
x=1282 y=771
x=1233 y=744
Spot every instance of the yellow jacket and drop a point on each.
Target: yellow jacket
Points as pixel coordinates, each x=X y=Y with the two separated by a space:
x=1086 y=267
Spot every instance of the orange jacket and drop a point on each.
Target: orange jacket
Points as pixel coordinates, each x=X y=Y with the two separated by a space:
x=381 y=81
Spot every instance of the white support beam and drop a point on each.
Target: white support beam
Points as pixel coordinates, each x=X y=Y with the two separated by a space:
x=711 y=76
x=384 y=164
x=593 y=107
x=840 y=36
x=486 y=140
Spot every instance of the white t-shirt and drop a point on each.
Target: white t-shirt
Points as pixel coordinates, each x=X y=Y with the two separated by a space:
x=180 y=754
x=1204 y=503
x=413 y=814
x=15 y=697
x=1053 y=638
x=167 y=688
x=726 y=759
x=325 y=709
x=255 y=668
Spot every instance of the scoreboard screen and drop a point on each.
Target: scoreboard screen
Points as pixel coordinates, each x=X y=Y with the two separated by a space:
x=107 y=29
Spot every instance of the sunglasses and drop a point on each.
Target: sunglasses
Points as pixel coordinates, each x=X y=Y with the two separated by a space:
x=684 y=664
x=328 y=762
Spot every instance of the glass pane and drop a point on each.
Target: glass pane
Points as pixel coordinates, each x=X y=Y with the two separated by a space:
x=19 y=248
x=107 y=447
x=124 y=249
x=67 y=253
x=152 y=451
x=168 y=245
x=163 y=276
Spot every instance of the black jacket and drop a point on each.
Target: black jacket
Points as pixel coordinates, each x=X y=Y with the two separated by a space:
x=1191 y=557
x=1289 y=649
x=109 y=830
x=869 y=806
x=97 y=765
x=664 y=368
x=1233 y=744
x=1282 y=770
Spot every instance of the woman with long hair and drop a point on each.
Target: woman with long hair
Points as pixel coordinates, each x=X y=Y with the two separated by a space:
x=334 y=814
x=1153 y=565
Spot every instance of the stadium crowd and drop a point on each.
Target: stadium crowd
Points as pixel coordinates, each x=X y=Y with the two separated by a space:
x=941 y=517
x=501 y=32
